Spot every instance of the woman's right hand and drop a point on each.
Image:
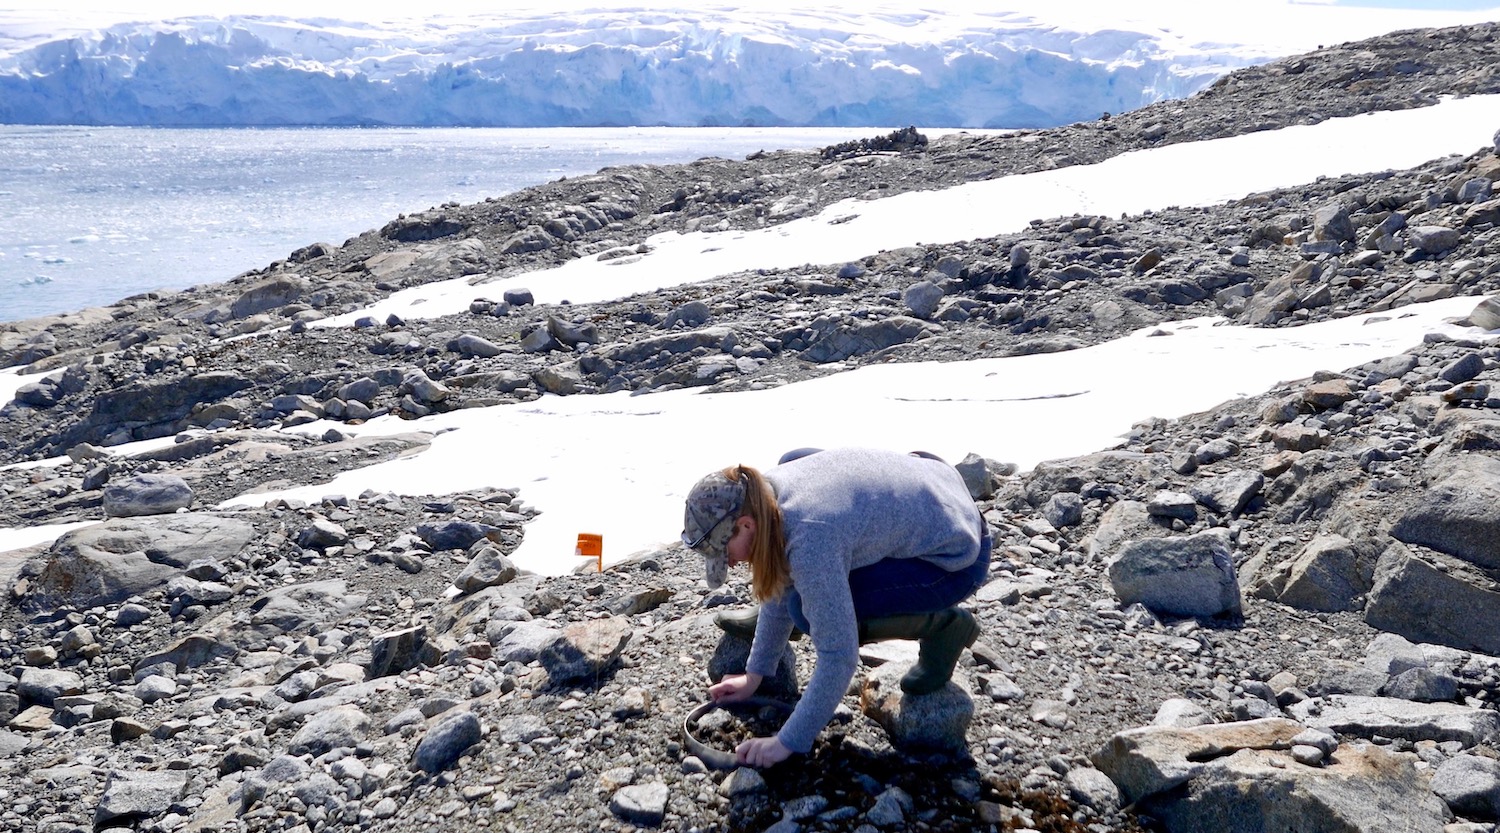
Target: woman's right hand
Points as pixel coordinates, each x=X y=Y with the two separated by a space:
x=734 y=688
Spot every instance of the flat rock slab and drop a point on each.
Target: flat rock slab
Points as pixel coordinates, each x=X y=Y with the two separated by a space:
x=1153 y=759
x=1363 y=788
x=1367 y=717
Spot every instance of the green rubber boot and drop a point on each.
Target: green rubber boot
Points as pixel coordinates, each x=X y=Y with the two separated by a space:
x=943 y=635
x=742 y=623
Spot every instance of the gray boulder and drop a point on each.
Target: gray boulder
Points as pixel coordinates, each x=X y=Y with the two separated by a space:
x=131 y=797
x=1364 y=788
x=147 y=494
x=1093 y=789
x=519 y=641
x=189 y=652
x=1183 y=576
x=1329 y=574
x=268 y=295
x=1471 y=786
x=641 y=804
x=393 y=652
x=1181 y=713
x=586 y=649
x=295 y=606
x=44 y=685
x=1173 y=505
x=452 y=535
x=340 y=727
x=109 y=562
x=1366 y=717
x=469 y=344
x=866 y=337
x=1154 y=759
x=1331 y=222
x=975 y=471
x=1433 y=240
x=488 y=568
x=936 y=721
x=922 y=299
x=441 y=747
x=1423 y=603
x=1125 y=521
x=1228 y=494
x=1457 y=516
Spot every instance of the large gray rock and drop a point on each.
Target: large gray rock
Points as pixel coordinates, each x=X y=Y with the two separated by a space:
x=1415 y=599
x=189 y=652
x=295 y=606
x=1331 y=222
x=642 y=804
x=922 y=298
x=337 y=728
x=1457 y=516
x=488 y=568
x=131 y=797
x=1364 y=788
x=1280 y=296
x=1433 y=240
x=936 y=721
x=1228 y=494
x=453 y=535
x=1486 y=315
x=1183 y=576
x=1125 y=521
x=1092 y=788
x=112 y=561
x=1367 y=717
x=857 y=339
x=586 y=649
x=1181 y=713
x=1153 y=759
x=441 y=747
x=730 y=655
x=1329 y=574
x=393 y=652
x=1471 y=786
x=44 y=685
x=153 y=408
x=519 y=641
x=268 y=295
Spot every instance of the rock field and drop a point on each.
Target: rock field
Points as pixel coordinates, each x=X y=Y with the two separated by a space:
x=1277 y=614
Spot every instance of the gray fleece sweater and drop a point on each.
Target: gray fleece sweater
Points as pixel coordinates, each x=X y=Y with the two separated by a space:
x=845 y=509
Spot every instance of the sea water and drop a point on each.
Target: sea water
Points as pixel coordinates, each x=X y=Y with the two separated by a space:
x=90 y=215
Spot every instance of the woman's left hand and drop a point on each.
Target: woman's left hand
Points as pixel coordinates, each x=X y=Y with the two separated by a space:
x=761 y=752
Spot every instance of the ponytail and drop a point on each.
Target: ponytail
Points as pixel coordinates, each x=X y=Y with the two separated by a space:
x=770 y=572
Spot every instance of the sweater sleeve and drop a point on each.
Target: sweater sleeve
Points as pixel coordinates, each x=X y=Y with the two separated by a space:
x=822 y=579
x=772 y=630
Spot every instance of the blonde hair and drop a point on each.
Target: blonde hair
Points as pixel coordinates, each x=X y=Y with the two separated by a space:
x=770 y=572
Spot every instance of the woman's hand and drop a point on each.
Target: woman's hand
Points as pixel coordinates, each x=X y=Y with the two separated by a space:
x=761 y=752
x=734 y=688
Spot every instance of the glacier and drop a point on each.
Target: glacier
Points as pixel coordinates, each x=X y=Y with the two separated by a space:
x=587 y=64
x=603 y=67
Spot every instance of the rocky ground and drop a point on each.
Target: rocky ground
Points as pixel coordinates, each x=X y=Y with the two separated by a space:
x=1273 y=615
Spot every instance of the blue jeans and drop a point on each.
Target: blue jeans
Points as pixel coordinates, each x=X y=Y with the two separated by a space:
x=898 y=586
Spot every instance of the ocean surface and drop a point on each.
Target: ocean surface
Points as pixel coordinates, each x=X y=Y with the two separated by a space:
x=90 y=215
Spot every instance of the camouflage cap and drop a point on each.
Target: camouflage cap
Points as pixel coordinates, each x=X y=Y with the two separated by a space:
x=712 y=501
